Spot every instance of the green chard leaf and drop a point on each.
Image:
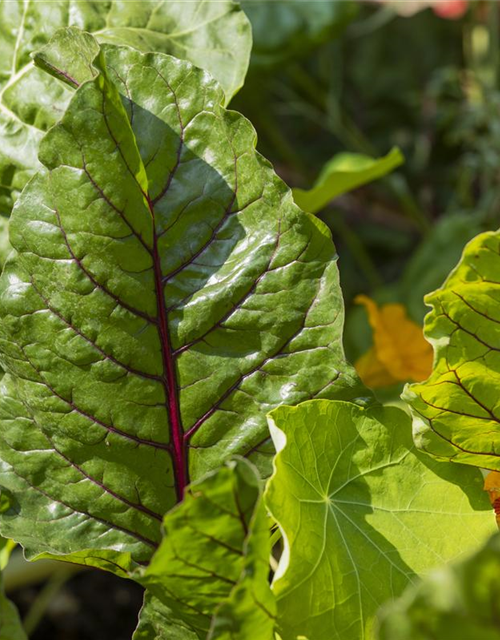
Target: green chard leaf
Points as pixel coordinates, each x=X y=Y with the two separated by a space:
x=211 y=569
x=297 y=27
x=166 y=293
x=455 y=412
x=461 y=600
x=154 y=623
x=343 y=173
x=215 y=36
x=362 y=514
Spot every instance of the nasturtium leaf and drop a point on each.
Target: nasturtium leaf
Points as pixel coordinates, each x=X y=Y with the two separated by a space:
x=166 y=293
x=297 y=27
x=456 y=411
x=211 y=569
x=215 y=36
x=459 y=601
x=362 y=514
x=343 y=173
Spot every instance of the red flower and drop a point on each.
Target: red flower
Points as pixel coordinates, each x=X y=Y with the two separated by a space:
x=450 y=9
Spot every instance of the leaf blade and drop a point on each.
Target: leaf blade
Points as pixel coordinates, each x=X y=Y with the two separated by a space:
x=454 y=410
x=153 y=285
x=343 y=173
x=367 y=507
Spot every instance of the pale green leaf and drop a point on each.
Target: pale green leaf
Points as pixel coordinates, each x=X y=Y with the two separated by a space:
x=456 y=411
x=457 y=602
x=211 y=569
x=343 y=173
x=166 y=294
x=69 y=56
x=362 y=514
x=215 y=36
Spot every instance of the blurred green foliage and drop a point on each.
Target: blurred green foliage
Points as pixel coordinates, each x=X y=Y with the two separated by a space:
x=425 y=84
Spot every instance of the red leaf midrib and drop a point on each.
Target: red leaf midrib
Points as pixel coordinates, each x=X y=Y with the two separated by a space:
x=169 y=378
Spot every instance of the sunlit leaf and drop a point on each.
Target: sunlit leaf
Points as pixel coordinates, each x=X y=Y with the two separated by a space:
x=215 y=36
x=363 y=513
x=455 y=412
x=147 y=335
x=460 y=601
x=211 y=569
x=343 y=173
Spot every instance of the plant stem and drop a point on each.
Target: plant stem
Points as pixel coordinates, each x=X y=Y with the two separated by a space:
x=44 y=598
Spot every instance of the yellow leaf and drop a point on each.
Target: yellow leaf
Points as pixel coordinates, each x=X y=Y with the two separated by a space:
x=400 y=352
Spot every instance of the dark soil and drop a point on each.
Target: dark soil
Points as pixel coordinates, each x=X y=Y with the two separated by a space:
x=92 y=605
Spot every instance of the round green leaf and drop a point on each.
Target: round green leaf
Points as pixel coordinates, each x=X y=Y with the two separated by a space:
x=362 y=514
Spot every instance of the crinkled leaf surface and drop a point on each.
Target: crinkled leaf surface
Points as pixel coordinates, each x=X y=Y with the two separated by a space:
x=362 y=513
x=456 y=411
x=461 y=600
x=343 y=173
x=154 y=623
x=166 y=294
x=297 y=26
x=211 y=569
x=215 y=36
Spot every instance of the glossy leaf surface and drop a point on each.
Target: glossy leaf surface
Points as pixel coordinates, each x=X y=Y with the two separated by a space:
x=211 y=569
x=456 y=411
x=213 y=35
x=458 y=601
x=165 y=295
x=362 y=514
x=343 y=173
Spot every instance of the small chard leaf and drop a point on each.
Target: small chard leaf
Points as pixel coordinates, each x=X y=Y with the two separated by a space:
x=455 y=413
x=155 y=623
x=457 y=601
x=211 y=569
x=215 y=36
x=343 y=173
x=165 y=294
x=69 y=56
x=374 y=513
x=297 y=27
